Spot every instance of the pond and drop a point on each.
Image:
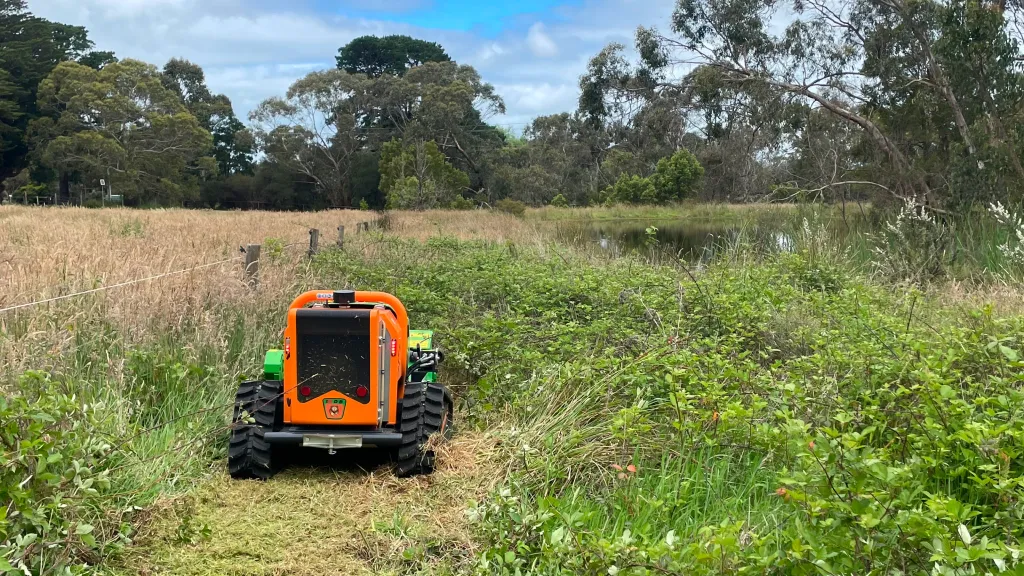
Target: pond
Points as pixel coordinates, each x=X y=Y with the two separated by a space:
x=689 y=240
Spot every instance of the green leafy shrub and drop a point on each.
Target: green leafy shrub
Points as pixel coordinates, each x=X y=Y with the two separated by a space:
x=462 y=203
x=513 y=207
x=632 y=190
x=50 y=467
x=559 y=201
x=780 y=416
x=677 y=177
x=273 y=249
x=418 y=176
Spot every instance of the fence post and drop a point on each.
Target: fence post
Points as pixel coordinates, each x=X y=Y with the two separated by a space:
x=341 y=236
x=252 y=265
x=314 y=241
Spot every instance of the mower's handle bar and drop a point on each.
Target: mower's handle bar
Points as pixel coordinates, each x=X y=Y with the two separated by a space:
x=364 y=297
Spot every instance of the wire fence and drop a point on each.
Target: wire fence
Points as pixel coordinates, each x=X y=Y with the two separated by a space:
x=250 y=271
x=115 y=286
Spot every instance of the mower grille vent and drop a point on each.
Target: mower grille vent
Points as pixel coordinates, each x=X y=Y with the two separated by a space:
x=333 y=352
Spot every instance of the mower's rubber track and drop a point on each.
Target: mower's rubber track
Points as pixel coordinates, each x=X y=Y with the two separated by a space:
x=426 y=410
x=249 y=455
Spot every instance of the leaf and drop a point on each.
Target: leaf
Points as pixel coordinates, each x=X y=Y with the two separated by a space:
x=1009 y=353
x=869 y=521
x=965 y=534
x=83 y=529
x=510 y=557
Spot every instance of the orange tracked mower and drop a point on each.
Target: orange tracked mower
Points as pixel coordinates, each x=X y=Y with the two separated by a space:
x=351 y=375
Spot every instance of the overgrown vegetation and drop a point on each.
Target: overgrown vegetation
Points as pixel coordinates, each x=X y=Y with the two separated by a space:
x=886 y=102
x=100 y=435
x=782 y=416
x=783 y=412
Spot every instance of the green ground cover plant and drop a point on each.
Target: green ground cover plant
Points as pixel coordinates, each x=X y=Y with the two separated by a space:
x=781 y=415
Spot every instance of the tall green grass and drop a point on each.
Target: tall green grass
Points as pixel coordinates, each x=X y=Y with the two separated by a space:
x=139 y=419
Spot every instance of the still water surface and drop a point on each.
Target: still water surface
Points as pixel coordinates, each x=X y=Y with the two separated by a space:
x=688 y=240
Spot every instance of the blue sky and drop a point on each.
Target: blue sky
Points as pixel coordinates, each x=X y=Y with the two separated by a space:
x=486 y=18
x=533 y=51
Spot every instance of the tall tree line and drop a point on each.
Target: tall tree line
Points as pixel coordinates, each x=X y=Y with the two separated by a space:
x=891 y=99
x=397 y=123
x=885 y=100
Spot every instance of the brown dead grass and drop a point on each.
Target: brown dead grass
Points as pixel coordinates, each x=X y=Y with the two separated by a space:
x=318 y=522
x=52 y=251
x=47 y=252
x=1006 y=299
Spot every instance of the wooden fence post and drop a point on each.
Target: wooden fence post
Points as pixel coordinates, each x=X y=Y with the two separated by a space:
x=314 y=242
x=341 y=236
x=252 y=265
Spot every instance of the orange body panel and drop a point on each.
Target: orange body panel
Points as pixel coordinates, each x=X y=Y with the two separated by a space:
x=352 y=413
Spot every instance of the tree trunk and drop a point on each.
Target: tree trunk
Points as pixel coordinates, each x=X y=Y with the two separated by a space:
x=940 y=80
x=64 y=189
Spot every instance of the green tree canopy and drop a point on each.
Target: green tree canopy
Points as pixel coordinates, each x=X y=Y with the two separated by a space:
x=30 y=47
x=394 y=55
x=97 y=59
x=632 y=190
x=233 y=145
x=677 y=176
x=558 y=155
x=316 y=130
x=932 y=86
x=121 y=123
x=417 y=176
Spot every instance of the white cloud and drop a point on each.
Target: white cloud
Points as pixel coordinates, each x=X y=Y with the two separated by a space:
x=254 y=49
x=113 y=8
x=541 y=45
x=490 y=51
x=539 y=99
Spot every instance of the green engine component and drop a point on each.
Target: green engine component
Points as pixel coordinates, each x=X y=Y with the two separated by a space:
x=273 y=365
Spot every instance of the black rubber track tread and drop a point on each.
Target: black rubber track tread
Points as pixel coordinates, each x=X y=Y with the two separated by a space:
x=249 y=455
x=423 y=410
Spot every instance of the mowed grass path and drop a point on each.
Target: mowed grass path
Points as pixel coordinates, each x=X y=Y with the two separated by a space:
x=352 y=517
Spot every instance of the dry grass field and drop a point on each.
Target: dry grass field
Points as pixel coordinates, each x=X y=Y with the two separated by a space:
x=51 y=252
